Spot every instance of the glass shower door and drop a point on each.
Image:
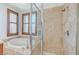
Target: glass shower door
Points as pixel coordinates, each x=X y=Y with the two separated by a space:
x=35 y=29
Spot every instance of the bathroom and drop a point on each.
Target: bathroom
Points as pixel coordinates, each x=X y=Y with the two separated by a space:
x=39 y=29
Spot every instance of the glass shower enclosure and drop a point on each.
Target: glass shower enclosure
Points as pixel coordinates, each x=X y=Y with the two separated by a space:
x=36 y=29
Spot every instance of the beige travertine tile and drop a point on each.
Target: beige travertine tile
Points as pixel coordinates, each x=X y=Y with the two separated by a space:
x=53 y=41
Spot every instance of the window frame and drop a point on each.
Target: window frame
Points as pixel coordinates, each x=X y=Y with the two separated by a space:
x=8 y=22
x=28 y=14
x=29 y=24
x=35 y=24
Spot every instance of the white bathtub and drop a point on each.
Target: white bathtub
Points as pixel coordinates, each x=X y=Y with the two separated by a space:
x=21 y=45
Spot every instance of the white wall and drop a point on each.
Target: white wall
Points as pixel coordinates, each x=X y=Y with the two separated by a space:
x=3 y=20
x=3 y=16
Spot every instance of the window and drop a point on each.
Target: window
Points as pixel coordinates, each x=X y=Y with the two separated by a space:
x=34 y=15
x=26 y=23
x=12 y=23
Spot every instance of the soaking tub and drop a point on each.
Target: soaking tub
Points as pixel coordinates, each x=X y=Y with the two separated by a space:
x=21 y=45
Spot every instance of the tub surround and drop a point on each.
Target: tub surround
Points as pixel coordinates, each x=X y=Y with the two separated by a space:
x=15 y=51
x=11 y=47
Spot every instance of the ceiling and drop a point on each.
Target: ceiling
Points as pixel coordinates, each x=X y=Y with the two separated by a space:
x=26 y=6
x=51 y=5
